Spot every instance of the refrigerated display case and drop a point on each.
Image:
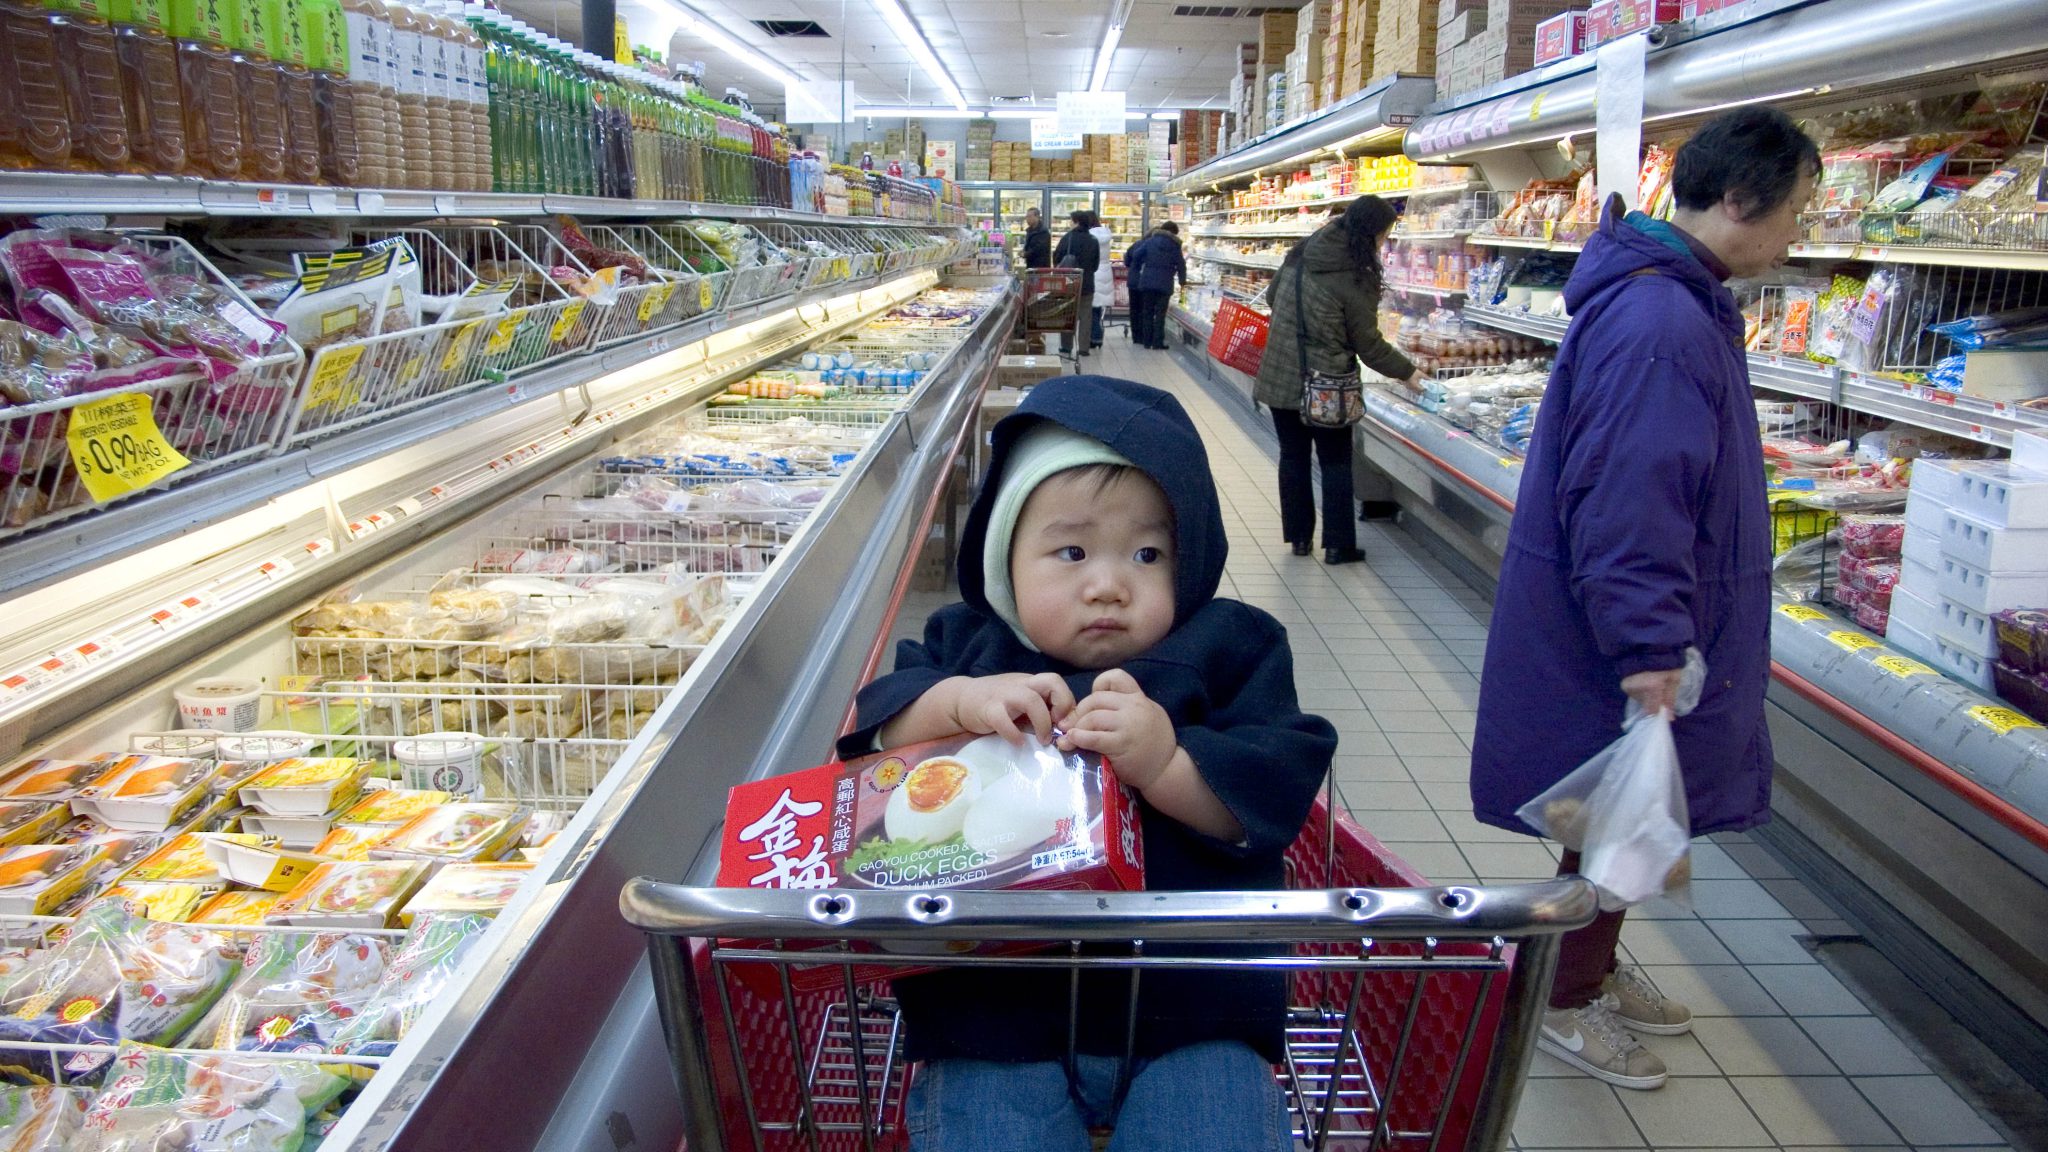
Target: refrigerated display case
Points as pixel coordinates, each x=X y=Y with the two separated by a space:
x=1062 y=203
x=1124 y=214
x=294 y=562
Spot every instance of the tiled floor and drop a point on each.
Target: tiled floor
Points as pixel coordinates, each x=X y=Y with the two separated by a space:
x=1782 y=1055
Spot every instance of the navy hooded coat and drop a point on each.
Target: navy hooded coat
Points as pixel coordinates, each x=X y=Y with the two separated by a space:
x=1224 y=674
x=1641 y=530
x=1155 y=262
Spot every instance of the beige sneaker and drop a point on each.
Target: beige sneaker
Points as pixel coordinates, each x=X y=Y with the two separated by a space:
x=1641 y=1007
x=1593 y=1040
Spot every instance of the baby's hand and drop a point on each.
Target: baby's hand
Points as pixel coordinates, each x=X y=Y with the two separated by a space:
x=1119 y=721
x=992 y=705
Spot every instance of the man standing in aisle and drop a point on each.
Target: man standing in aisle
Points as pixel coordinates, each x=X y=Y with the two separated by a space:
x=1037 y=240
x=1641 y=534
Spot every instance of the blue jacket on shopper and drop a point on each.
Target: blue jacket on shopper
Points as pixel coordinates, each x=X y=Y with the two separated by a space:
x=1641 y=529
x=1154 y=263
x=1224 y=674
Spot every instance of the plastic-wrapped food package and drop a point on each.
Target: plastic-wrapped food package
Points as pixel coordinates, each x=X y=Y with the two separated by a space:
x=114 y=977
x=1874 y=616
x=1873 y=537
x=294 y=992
x=158 y=1101
x=1802 y=570
x=2023 y=639
x=44 y=1118
x=418 y=973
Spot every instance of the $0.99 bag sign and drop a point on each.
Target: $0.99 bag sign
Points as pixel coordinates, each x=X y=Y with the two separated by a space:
x=117 y=447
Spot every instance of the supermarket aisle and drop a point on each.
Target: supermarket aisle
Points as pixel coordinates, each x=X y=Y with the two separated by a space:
x=1782 y=1055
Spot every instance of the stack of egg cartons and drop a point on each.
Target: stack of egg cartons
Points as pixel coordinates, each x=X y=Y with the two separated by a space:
x=1976 y=544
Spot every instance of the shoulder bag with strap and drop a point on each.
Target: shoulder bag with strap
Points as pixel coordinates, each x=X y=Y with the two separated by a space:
x=1327 y=400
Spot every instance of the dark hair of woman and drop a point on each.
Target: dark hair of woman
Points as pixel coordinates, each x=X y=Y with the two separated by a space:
x=1365 y=221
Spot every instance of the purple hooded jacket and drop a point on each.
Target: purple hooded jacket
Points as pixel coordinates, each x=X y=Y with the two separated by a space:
x=1641 y=530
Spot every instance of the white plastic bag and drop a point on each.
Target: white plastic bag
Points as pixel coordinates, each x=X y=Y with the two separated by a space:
x=1624 y=810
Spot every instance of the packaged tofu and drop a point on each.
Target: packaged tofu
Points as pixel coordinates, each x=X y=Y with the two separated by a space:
x=305 y=786
x=351 y=895
x=455 y=833
x=145 y=793
x=49 y=779
x=960 y=812
x=237 y=909
x=462 y=889
x=294 y=991
x=36 y=879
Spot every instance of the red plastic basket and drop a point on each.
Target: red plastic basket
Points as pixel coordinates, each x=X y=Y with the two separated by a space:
x=1239 y=338
x=1429 y=1083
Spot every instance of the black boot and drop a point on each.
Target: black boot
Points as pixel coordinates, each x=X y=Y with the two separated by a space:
x=1301 y=548
x=1343 y=555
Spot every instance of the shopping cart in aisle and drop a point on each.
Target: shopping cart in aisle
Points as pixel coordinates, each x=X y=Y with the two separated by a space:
x=1415 y=1008
x=1052 y=307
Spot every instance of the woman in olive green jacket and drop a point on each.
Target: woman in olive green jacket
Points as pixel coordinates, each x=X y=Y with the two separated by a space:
x=1338 y=305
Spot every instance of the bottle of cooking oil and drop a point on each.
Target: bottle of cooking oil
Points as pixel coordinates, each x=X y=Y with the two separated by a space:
x=92 y=84
x=451 y=141
x=327 y=54
x=368 y=29
x=476 y=88
x=214 y=141
x=35 y=126
x=423 y=146
x=285 y=27
x=260 y=84
x=149 y=85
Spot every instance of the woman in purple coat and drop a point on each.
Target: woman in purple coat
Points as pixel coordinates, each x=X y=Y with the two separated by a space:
x=1642 y=531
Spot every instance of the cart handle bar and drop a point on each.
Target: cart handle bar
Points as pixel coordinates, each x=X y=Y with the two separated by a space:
x=1327 y=915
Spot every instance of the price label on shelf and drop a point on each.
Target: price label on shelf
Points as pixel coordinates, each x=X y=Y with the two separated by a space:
x=117 y=447
x=2001 y=720
x=274 y=569
x=1903 y=668
x=566 y=323
x=458 y=350
x=502 y=335
x=1801 y=612
x=334 y=382
x=95 y=650
x=1852 y=641
x=654 y=301
x=407 y=507
x=704 y=294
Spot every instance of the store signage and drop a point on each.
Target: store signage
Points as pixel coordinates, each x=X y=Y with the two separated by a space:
x=1091 y=112
x=1048 y=136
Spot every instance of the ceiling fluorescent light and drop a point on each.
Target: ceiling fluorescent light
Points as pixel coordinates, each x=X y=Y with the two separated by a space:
x=921 y=111
x=1119 y=15
x=920 y=50
x=725 y=42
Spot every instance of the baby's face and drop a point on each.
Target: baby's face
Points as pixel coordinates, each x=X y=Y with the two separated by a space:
x=1093 y=568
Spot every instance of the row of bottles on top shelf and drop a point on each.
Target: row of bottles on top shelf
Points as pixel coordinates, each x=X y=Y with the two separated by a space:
x=430 y=94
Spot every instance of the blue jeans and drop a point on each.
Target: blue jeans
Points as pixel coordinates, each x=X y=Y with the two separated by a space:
x=1218 y=1096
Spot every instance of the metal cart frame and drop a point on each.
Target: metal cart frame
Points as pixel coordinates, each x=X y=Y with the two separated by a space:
x=1416 y=1015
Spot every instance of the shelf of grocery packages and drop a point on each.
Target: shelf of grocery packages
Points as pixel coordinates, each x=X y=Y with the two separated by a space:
x=1193 y=323
x=103 y=535
x=1494 y=240
x=1336 y=201
x=1807 y=55
x=538 y=989
x=1238 y=260
x=1985 y=421
x=1257 y=231
x=2014 y=259
x=40 y=193
x=1438 y=291
x=1370 y=121
x=1484 y=468
x=1430 y=234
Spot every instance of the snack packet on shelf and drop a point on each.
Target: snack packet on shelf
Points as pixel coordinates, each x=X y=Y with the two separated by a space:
x=44 y=1118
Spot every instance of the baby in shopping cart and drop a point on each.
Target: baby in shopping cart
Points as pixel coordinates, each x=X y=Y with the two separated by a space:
x=1088 y=574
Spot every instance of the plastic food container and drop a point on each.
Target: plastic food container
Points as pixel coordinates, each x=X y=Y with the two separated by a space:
x=450 y=762
x=220 y=703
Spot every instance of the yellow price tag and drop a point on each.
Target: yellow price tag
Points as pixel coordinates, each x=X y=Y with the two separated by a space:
x=459 y=350
x=334 y=383
x=655 y=300
x=567 y=321
x=2001 y=720
x=1549 y=231
x=501 y=336
x=1536 y=108
x=703 y=294
x=1801 y=612
x=1853 y=641
x=286 y=873
x=117 y=447
x=1903 y=668
x=412 y=369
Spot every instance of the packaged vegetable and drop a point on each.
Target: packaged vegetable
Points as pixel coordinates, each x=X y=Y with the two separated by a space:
x=157 y=1101
x=114 y=977
x=294 y=991
x=44 y=1118
x=418 y=974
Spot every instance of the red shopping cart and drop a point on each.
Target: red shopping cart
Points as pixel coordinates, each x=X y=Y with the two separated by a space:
x=1415 y=1008
x=1239 y=337
x=1052 y=307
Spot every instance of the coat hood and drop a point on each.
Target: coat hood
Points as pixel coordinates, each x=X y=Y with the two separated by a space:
x=1149 y=428
x=1620 y=250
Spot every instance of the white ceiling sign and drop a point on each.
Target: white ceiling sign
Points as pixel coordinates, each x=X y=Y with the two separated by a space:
x=1091 y=111
x=1047 y=135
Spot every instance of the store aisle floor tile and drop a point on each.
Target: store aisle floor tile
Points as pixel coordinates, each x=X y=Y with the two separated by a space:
x=1782 y=1054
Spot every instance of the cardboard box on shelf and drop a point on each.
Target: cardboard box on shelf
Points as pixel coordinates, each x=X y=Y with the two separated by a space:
x=1406 y=38
x=976 y=170
x=1635 y=15
x=1599 y=24
x=1276 y=37
x=1560 y=37
x=1525 y=13
x=1449 y=10
x=1459 y=30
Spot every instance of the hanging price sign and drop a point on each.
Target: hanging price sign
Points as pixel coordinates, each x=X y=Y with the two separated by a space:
x=655 y=300
x=457 y=351
x=334 y=381
x=704 y=295
x=117 y=447
x=501 y=336
x=567 y=322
